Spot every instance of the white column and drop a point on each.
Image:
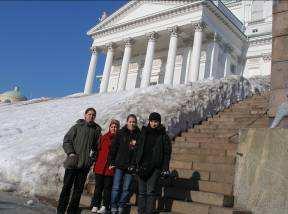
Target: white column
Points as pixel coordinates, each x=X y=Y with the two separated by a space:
x=91 y=71
x=228 y=50
x=171 y=58
x=196 y=52
x=107 y=68
x=146 y=74
x=125 y=64
x=214 y=58
x=240 y=65
x=189 y=52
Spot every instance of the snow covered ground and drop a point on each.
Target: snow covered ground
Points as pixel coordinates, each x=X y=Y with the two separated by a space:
x=31 y=132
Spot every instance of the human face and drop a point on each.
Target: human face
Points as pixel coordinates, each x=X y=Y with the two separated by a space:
x=154 y=124
x=131 y=123
x=113 y=128
x=90 y=116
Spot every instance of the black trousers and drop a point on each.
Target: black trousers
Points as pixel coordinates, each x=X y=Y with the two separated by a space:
x=147 y=193
x=72 y=178
x=103 y=187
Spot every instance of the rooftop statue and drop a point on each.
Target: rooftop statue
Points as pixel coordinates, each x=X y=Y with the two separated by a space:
x=103 y=16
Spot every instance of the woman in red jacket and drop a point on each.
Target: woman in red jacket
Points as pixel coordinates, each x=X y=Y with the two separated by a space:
x=104 y=175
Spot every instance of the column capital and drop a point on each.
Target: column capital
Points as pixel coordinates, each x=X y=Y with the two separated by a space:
x=199 y=26
x=129 y=41
x=266 y=57
x=174 y=31
x=228 y=48
x=94 y=49
x=153 y=36
x=110 y=46
x=217 y=38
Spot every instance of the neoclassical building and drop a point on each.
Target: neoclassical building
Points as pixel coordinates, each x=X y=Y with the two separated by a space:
x=176 y=42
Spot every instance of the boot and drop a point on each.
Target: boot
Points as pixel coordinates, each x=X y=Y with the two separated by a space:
x=150 y=204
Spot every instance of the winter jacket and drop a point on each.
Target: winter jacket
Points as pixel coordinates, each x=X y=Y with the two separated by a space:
x=122 y=153
x=160 y=149
x=81 y=139
x=101 y=165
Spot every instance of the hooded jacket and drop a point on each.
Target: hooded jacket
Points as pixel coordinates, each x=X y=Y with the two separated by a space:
x=81 y=139
x=122 y=153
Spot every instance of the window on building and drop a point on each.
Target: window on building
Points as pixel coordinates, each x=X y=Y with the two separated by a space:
x=257 y=10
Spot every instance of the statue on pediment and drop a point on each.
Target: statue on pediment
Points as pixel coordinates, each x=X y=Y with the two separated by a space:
x=103 y=16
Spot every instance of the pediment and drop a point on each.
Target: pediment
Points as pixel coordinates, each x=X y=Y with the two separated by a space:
x=137 y=10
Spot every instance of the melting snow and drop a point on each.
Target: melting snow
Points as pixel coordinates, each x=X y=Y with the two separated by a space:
x=31 y=132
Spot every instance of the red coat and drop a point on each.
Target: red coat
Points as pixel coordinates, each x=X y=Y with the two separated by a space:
x=101 y=165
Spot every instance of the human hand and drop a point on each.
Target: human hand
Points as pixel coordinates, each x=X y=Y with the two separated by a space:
x=72 y=154
x=133 y=142
x=111 y=167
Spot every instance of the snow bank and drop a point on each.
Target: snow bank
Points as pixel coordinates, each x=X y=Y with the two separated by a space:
x=31 y=133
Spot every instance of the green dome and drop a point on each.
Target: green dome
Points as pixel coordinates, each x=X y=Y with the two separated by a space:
x=14 y=95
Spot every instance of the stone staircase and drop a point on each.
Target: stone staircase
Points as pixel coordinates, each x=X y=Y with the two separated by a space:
x=204 y=159
x=203 y=162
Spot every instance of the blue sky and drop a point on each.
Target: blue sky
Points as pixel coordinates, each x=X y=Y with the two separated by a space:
x=44 y=47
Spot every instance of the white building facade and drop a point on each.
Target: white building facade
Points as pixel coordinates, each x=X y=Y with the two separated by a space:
x=176 y=42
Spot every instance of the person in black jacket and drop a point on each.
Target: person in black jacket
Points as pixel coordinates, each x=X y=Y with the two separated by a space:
x=122 y=157
x=153 y=157
x=79 y=142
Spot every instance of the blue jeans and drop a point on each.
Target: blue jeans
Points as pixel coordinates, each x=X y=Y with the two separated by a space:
x=121 y=189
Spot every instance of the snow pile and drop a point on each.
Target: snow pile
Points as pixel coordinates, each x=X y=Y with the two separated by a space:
x=31 y=133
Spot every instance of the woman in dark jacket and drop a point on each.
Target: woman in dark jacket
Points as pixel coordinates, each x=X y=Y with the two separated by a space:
x=153 y=157
x=104 y=175
x=122 y=158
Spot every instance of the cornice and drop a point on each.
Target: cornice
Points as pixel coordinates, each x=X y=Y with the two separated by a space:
x=262 y=41
x=238 y=32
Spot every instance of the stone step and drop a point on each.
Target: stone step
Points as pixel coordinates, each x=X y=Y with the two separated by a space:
x=202 y=166
x=205 y=151
x=215 y=134
x=86 y=198
x=211 y=130
x=204 y=175
x=206 y=145
x=228 y=123
x=203 y=158
x=216 y=187
x=207 y=139
x=234 y=119
x=199 y=196
x=245 y=109
x=181 y=207
x=221 y=126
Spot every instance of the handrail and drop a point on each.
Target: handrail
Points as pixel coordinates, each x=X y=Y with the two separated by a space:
x=249 y=124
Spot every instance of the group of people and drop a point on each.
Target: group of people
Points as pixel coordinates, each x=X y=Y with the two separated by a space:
x=117 y=158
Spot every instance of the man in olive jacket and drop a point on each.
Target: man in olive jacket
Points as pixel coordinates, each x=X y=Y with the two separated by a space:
x=78 y=143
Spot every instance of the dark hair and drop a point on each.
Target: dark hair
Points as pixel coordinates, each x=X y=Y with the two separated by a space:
x=90 y=109
x=116 y=122
x=133 y=116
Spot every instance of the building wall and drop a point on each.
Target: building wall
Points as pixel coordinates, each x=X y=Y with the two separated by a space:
x=257 y=16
